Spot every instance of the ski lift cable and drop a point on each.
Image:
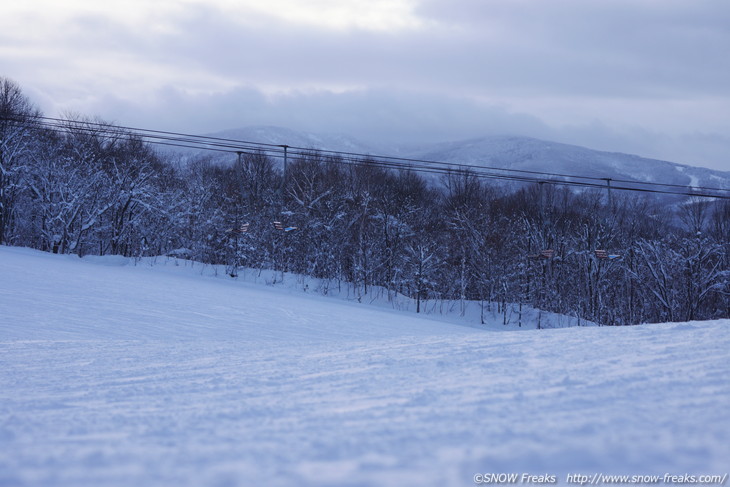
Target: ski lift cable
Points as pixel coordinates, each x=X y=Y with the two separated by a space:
x=234 y=149
x=189 y=142
x=275 y=150
x=449 y=167
x=476 y=171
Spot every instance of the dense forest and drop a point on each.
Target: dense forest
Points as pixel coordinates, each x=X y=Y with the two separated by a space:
x=87 y=187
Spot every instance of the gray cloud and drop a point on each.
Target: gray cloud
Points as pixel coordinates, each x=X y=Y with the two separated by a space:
x=616 y=48
x=631 y=48
x=390 y=117
x=370 y=114
x=639 y=76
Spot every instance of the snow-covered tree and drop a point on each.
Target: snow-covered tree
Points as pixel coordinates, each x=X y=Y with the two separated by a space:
x=18 y=127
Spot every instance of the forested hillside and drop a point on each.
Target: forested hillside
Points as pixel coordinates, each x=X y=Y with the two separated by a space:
x=88 y=187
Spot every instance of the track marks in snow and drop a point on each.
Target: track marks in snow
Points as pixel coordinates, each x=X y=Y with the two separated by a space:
x=200 y=382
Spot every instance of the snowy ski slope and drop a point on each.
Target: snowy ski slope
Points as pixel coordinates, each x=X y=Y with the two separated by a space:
x=120 y=375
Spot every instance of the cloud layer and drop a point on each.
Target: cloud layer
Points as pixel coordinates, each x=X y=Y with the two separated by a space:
x=643 y=76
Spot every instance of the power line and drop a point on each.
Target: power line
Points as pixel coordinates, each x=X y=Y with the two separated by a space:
x=233 y=146
x=276 y=148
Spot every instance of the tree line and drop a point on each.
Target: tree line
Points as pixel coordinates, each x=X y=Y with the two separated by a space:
x=88 y=187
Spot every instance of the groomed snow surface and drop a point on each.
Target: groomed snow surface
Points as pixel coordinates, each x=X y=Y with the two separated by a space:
x=116 y=374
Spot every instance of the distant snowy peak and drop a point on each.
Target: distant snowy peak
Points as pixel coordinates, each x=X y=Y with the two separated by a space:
x=525 y=153
x=284 y=136
x=504 y=152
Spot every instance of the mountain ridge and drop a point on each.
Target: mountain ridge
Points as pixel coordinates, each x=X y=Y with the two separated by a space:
x=504 y=152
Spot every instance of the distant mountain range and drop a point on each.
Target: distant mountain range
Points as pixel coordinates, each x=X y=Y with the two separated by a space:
x=284 y=136
x=504 y=152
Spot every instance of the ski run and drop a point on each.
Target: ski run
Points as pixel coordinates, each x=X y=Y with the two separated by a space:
x=116 y=372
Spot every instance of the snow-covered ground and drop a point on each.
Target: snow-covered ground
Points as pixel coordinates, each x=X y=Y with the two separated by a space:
x=113 y=374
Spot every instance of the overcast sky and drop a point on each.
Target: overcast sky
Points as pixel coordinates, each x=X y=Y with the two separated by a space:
x=650 y=77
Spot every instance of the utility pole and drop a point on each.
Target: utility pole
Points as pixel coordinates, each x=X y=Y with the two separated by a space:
x=542 y=209
x=239 y=177
x=283 y=178
x=610 y=196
